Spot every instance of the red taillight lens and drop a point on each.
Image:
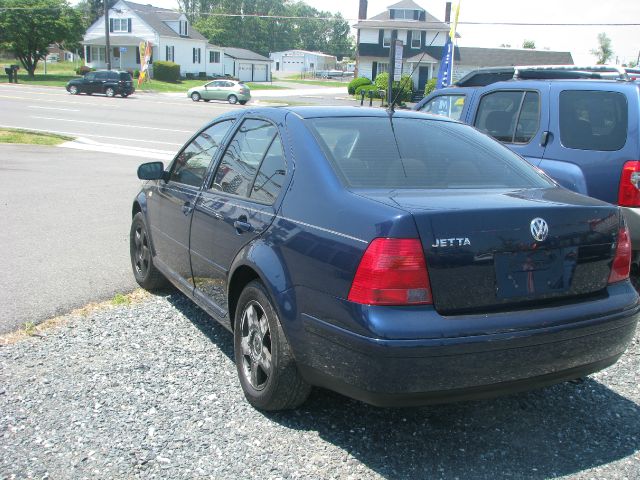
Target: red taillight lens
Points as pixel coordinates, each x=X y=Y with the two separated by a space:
x=392 y=272
x=629 y=189
x=622 y=259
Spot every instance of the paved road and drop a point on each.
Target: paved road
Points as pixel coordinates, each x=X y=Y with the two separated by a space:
x=64 y=236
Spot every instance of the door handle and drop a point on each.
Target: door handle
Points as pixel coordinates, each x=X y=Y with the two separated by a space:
x=545 y=138
x=242 y=226
x=187 y=208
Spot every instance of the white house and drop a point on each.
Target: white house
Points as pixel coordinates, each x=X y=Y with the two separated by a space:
x=423 y=38
x=172 y=37
x=300 y=61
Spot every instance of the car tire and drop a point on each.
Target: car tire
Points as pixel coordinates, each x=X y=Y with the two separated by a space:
x=144 y=271
x=264 y=361
x=195 y=96
x=242 y=102
x=73 y=90
x=109 y=92
x=124 y=95
x=232 y=99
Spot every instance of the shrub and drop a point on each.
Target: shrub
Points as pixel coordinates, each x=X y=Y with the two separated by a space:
x=430 y=86
x=166 y=71
x=83 y=70
x=357 y=82
x=202 y=75
x=136 y=73
x=189 y=76
x=366 y=89
x=405 y=83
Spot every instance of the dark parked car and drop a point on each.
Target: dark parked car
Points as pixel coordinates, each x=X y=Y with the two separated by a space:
x=108 y=82
x=397 y=259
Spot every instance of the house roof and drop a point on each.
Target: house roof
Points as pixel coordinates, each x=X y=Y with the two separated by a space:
x=243 y=54
x=384 y=20
x=319 y=54
x=156 y=16
x=406 y=4
x=502 y=57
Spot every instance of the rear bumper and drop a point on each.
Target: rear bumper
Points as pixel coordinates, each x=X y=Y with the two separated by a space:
x=420 y=371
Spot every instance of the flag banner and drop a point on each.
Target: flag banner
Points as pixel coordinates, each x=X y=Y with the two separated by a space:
x=444 y=73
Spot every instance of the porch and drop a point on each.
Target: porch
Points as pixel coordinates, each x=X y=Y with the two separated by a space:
x=125 y=53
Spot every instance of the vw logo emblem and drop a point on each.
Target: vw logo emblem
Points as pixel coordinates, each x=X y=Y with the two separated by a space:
x=539 y=229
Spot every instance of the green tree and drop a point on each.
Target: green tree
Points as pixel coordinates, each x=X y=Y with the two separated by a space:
x=28 y=27
x=529 y=44
x=604 y=52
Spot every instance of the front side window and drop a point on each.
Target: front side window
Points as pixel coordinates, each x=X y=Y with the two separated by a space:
x=593 y=120
x=450 y=106
x=120 y=25
x=416 y=39
x=366 y=152
x=97 y=54
x=190 y=166
x=243 y=157
x=510 y=116
x=386 y=38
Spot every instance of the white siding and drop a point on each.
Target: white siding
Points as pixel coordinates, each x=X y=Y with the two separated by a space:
x=365 y=68
x=183 y=53
x=138 y=27
x=368 y=35
x=215 y=68
x=402 y=35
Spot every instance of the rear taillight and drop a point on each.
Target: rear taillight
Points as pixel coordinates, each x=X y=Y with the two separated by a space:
x=622 y=259
x=392 y=272
x=629 y=189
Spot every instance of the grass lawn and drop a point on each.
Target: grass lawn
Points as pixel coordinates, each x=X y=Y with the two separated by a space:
x=10 y=135
x=58 y=74
x=322 y=83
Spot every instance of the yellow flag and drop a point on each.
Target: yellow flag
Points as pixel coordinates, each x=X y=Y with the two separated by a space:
x=454 y=25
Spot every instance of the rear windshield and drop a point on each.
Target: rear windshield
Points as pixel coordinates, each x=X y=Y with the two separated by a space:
x=414 y=153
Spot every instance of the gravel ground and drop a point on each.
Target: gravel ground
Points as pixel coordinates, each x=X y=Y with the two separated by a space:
x=149 y=390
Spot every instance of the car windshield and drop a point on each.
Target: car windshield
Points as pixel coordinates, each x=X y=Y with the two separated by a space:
x=376 y=152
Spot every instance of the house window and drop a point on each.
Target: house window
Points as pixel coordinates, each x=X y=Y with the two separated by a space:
x=97 y=54
x=170 y=51
x=196 y=55
x=386 y=39
x=183 y=28
x=120 y=25
x=214 y=57
x=404 y=15
x=415 y=39
x=382 y=67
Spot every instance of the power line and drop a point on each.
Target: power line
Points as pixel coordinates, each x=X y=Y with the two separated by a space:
x=295 y=17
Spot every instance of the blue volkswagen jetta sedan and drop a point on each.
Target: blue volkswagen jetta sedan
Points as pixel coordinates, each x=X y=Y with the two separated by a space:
x=398 y=259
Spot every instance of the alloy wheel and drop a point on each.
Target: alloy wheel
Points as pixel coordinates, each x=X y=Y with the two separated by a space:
x=256 y=345
x=142 y=256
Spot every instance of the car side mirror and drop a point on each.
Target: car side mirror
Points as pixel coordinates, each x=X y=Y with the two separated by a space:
x=151 y=171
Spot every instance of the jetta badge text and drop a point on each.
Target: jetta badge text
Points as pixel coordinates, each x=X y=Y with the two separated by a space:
x=451 y=242
x=539 y=229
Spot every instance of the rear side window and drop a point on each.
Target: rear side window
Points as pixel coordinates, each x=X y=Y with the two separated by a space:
x=102 y=75
x=243 y=157
x=415 y=153
x=593 y=120
x=190 y=166
x=271 y=174
x=125 y=76
x=446 y=105
x=509 y=116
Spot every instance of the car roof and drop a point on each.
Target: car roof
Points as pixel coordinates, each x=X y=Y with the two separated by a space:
x=329 y=112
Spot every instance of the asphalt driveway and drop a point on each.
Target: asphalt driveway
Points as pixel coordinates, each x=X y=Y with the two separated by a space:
x=65 y=225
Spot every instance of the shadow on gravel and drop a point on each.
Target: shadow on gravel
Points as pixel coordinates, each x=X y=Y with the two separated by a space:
x=546 y=433
x=552 y=432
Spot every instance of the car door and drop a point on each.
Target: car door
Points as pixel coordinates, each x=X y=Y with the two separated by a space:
x=97 y=84
x=238 y=205
x=208 y=92
x=171 y=204
x=87 y=82
x=517 y=117
x=591 y=136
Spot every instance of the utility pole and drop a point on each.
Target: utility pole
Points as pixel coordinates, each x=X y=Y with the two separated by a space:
x=107 y=46
x=392 y=62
